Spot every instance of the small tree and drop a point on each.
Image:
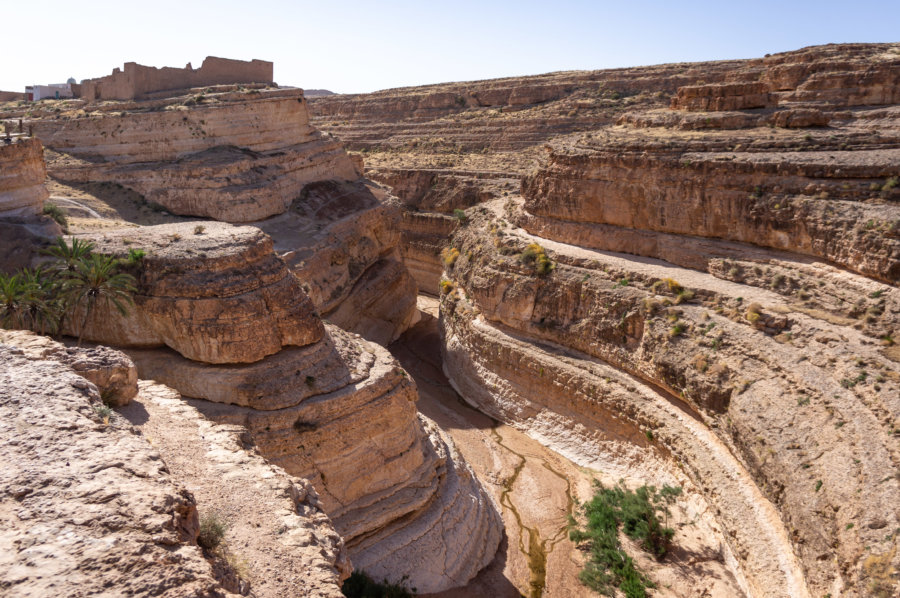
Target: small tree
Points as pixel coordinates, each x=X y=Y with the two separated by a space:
x=96 y=280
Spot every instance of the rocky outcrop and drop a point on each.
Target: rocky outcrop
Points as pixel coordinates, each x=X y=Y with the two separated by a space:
x=239 y=155
x=199 y=155
x=23 y=229
x=792 y=423
x=195 y=295
x=340 y=240
x=88 y=506
x=722 y=96
x=809 y=202
x=111 y=371
x=277 y=537
x=22 y=190
x=321 y=403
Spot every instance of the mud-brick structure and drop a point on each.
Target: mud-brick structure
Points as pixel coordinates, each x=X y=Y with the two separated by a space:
x=137 y=81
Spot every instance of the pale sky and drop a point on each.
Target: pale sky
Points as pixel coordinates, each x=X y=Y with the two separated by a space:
x=349 y=46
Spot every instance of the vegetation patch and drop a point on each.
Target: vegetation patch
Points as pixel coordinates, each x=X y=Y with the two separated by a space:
x=71 y=287
x=212 y=530
x=55 y=212
x=638 y=513
x=536 y=256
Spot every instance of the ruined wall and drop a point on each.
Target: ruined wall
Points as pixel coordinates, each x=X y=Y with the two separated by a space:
x=138 y=80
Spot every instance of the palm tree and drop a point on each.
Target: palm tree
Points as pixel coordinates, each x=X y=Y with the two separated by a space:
x=42 y=304
x=96 y=279
x=68 y=256
x=12 y=299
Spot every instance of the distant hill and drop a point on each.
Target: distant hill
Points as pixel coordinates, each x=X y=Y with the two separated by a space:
x=317 y=93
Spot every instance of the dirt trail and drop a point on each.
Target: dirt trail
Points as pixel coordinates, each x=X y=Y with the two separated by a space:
x=536 y=487
x=275 y=538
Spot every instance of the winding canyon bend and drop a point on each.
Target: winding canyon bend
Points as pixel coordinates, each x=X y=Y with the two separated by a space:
x=405 y=332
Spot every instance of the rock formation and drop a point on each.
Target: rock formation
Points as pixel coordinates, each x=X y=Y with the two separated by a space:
x=22 y=191
x=241 y=336
x=87 y=506
x=109 y=512
x=200 y=155
x=248 y=153
x=745 y=328
x=22 y=197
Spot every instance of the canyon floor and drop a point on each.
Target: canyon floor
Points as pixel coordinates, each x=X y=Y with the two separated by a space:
x=538 y=489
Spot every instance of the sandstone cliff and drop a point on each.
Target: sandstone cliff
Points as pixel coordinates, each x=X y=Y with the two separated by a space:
x=242 y=338
x=196 y=456
x=745 y=332
x=199 y=155
x=240 y=155
x=776 y=414
x=22 y=197
x=22 y=191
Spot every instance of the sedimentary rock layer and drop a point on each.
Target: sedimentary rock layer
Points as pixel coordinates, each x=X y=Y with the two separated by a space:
x=319 y=402
x=276 y=531
x=341 y=241
x=232 y=156
x=87 y=506
x=808 y=202
x=213 y=292
x=790 y=403
x=111 y=371
x=388 y=481
x=22 y=174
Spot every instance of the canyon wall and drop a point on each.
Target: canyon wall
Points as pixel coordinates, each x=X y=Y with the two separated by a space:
x=319 y=402
x=700 y=260
x=770 y=416
x=205 y=155
x=250 y=155
x=22 y=190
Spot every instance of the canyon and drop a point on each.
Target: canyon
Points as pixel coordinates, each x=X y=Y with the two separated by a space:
x=408 y=332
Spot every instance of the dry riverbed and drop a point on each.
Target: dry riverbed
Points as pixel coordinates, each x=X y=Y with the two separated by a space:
x=537 y=489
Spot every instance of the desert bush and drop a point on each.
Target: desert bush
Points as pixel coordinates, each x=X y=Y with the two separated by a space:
x=55 y=212
x=212 y=530
x=449 y=255
x=536 y=256
x=638 y=513
x=460 y=215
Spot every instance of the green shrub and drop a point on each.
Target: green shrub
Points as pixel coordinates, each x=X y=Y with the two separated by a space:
x=460 y=215
x=212 y=530
x=360 y=585
x=136 y=255
x=55 y=212
x=536 y=256
x=638 y=513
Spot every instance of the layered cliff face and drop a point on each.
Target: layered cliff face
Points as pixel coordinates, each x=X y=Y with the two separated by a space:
x=154 y=479
x=743 y=334
x=240 y=155
x=22 y=190
x=22 y=197
x=321 y=403
x=341 y=240
x=232 y=156
x=777 y=413
x=755 y=113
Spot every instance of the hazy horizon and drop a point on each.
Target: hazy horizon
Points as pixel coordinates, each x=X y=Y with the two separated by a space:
x=349 y=47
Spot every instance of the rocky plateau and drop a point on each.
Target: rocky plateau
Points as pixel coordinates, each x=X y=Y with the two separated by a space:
x=406 y=332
